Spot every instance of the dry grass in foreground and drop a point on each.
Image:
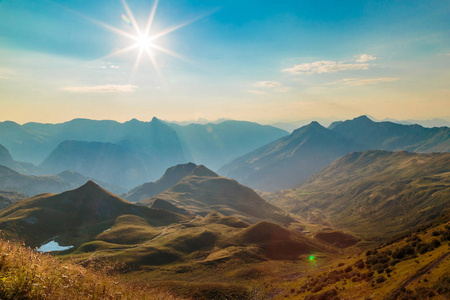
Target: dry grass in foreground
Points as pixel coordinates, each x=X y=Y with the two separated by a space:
x=25 y=274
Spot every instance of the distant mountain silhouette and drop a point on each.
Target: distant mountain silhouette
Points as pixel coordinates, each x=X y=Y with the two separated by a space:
x=75 y=216
x=171 y=177
x=202 y=191
x=289 y=160
x=31 y=185
x=112 y=163
x=214 y=145
x=391 y=136
x=157 y=144
x=7 y=161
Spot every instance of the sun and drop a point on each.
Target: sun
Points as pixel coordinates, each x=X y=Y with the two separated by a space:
x=143 y=39
x=144 y=42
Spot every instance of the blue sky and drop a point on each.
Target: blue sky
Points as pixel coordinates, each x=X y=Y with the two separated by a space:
x=264 y=61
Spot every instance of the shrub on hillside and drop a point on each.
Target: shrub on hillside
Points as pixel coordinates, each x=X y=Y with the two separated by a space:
x=403 y=251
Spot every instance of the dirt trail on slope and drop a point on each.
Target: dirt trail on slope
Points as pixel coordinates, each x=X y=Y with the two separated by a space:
x=425 y=269
x=421 y=272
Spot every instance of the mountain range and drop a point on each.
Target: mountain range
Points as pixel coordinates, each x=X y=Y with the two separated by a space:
x=288 y=161
x=32 y=185
x=142 y=150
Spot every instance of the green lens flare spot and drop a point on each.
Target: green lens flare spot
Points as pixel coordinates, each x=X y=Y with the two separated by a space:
x=311 y=257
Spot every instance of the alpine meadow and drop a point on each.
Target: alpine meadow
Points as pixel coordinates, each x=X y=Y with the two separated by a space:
x=225 y=150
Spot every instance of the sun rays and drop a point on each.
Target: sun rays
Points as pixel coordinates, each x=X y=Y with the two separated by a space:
x=143 y=41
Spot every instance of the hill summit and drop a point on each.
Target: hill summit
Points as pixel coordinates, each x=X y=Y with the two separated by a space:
x=171 y=177
x=202 y=191
x=73 y=216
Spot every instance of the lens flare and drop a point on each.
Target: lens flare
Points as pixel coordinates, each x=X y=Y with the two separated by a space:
x=126 y=20
x=311 y=257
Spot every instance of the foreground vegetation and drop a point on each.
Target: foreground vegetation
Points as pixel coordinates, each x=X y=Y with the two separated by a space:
x=412 y=266
x=26 y=274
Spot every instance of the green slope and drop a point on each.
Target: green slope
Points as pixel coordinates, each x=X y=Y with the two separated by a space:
x=203 y=191
x=74 y=216
x=374 y=192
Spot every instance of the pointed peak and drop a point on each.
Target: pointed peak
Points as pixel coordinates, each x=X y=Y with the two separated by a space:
x=91 y=187
x=203 y=171
x=181 y=168
x=363 y=118
x=90 y=184
x=311 y=127
x=155 y=119
x=314 y=124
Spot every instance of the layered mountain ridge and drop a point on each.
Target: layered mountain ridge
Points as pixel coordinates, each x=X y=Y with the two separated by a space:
x=290 y=160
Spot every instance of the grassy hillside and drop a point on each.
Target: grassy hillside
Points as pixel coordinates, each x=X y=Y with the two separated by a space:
x=412 y=266
x=8 y=198
x=375 y=192
x=73 y=217
x=202 y=191
x=25 y=274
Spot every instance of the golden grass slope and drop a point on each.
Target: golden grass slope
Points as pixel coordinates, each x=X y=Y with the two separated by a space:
x=74 y=217
x=415 y=266
x=201 y=241
x=25 y=274
x=374 y=193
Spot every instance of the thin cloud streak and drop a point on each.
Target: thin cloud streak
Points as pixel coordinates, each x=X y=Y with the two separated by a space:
x=267 y=84
x=324 y=66
x=359 y=62
x=108 y=88
x=359 y=81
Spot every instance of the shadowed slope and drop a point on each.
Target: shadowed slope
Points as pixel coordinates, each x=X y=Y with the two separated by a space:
x=289 y=160
x=214 y=145
x=77 y=215
x=203 y=191
x=171 y=177
x=109 y=162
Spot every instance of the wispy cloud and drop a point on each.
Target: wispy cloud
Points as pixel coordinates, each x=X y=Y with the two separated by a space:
x=267 y=84
x=359 y=62
x=256 y=92
x=362 y=58
x=108 y=88
x=359 y=81
x=324 y=66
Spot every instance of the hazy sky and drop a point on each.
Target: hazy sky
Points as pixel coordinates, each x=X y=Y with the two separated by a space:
x=257 y=60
